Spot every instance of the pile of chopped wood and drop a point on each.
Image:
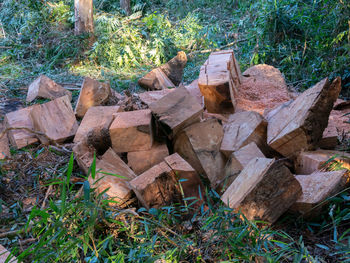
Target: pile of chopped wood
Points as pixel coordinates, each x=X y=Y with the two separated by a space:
x=244 y=135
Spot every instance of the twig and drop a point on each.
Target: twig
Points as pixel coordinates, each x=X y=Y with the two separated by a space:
x=26 y=241
x=70 y=84
x=46 y=195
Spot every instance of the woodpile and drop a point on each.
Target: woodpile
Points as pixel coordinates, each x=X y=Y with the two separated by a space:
x=245 y=136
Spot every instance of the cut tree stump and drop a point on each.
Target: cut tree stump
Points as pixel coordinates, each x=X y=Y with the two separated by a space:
x=176 y=111
x=141 y=161
x=149 y=97
x=92 y=93
x=237 y=161
x=4 y=144
x=132 y=131
x=20 y=138
x=264 y=190
x=84 y=155
x=313 y=161
x=44 y=87
x=199 y=144
x=55 y=119
x=84 y=19
x=156 y=80
x=98 y=117
x=157 y=187
x=218 y=80
x=188 y=178
x=5 y=254
x=243 y=128
x=113 y=174
x=317 y=187
x=300 y=125
x=194 y=90
x=174 y=68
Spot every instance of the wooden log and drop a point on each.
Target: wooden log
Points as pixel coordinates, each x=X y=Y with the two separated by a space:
x=236 y=163
x=4 y=144
x=156 y=80
x=20 y=138
x=44 y=87
x=317 y=187
x=84 y=16
x=125 y=6
x=113 y=174
x=176 y=111
x=264 y=190
x=218 y=81
x=149 y=97
x=243 y=128
x=92 y=93
x=157 y=187
x=141 y=161
x=174 y=68
x=188 y=178
x=314 y=161
x=55 y=119
x=84 y=155
x=199 y=144
x=6 y=256
x=194 y=90
x=132 y=131
x=300 y=125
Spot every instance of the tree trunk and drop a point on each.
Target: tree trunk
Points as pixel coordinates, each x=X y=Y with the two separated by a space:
x=84 y=20
x=125 y=5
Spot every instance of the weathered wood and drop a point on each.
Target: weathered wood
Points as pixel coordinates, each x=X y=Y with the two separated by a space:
x=4 y=144
x=199 y=144
x=313 y=161
x=5 y=254
x=84 y=155
x=55 y=119
x=317 y=187
x=155 y=80
x=141 y=161
x=264 y=190
x=237 y=161
x=175 y=111
x=84 y=16
x=132 y=131
x=194 y=90
x=300 y=125
x=116 y=180
x=218 y=81
x=20 y=118
x=92 y=93
x=243 y=128
x=44 y=87
x=329 y=137
x=157 y=187
x=174 y=68
x=125 y=6
x=188 y=178
x=149 y=97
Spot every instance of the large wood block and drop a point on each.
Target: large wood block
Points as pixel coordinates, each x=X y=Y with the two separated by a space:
x=113 y=174
x=5 y=254
x=157 y=187
x=141 y=161
x=44 y=87
x=97 y=117
x=313 y=161
x=300 y=125
x=20 y=138
x=194 y=90
x=199 y=144
x=4 y=144
x=264 y=190
x=176 y=110
x=188 y=178
x=56 y=119
x=317 y=187
x=131 y=131
x=84 y=155
x=149 y=97
x=237 y=161
x=218 y=80
x=92 y=93
x=243 y=128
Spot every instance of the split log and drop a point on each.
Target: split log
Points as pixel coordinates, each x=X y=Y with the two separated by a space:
x=236 y=163
x=132 y=131
x=218 y=81
x=55 y=119
x=317 y=187
x=199 y=144
x=149 y=97
x=84 y=155
x=300 y=125
x=176 y=111
x=113 y=174
x=156 y=80
x=84 y=16
x=157 y=187
x=188 y=178
x=313 y=161
x=4 y=144
x=141 y=161
x=44 y=87
x=92 y=93
x=6 y=256
x=194 y=90
x=264 y=190
x=243 y=128
x=17 y=119
x=174 y=68
x=329 y=137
